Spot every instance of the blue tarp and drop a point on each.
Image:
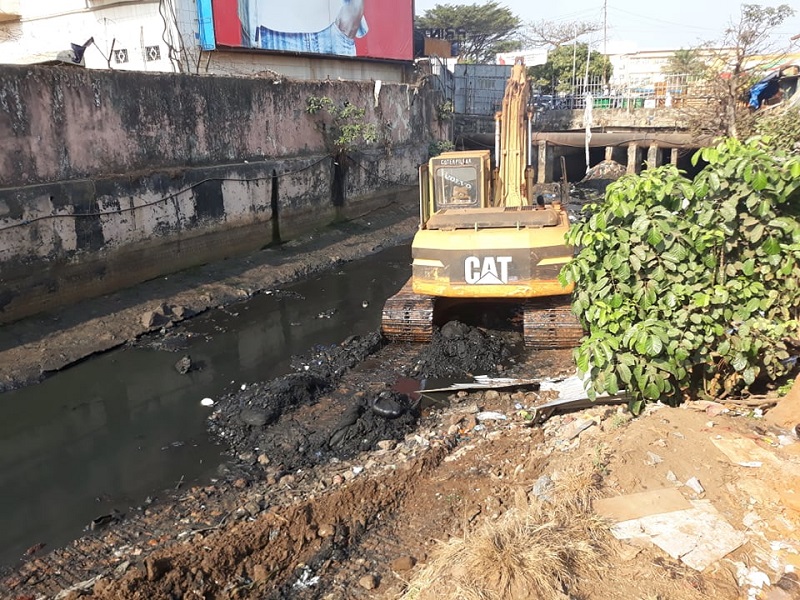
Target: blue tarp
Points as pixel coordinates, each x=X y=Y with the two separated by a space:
x=764 y=90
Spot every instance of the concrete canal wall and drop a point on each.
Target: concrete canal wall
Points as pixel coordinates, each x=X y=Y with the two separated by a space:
x=108 y=179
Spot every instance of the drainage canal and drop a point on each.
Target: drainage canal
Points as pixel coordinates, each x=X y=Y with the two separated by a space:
x=112 y=431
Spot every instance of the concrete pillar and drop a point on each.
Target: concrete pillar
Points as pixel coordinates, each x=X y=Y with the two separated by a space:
x=653 y=157
x=634 y=158
x=673 y=157
x=609 y=152
x=544 y=170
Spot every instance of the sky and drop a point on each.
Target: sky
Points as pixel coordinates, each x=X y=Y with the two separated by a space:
x=644 y=25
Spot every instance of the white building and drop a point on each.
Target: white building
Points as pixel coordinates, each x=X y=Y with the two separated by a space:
x=156 y=35
x=127 y=35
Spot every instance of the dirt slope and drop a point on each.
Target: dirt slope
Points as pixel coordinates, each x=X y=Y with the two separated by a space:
x=363 y=525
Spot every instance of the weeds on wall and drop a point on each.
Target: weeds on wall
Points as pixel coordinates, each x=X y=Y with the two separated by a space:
x=345 y=130
x=439 y=146
x=691 y=287
x=343 y=126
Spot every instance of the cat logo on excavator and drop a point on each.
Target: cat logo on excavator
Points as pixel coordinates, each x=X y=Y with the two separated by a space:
x=492 y=270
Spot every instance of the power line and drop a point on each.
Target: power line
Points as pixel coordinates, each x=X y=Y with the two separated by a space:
x=664 y=21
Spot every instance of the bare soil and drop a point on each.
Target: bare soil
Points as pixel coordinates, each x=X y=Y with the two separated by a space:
x=344 y=483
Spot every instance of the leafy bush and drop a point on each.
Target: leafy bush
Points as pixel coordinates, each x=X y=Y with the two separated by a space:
x=344 y=128
x=439 y=146
x=690 y=287
x=781 y=127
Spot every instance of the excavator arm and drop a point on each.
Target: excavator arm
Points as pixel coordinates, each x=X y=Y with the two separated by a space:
x=511 y=141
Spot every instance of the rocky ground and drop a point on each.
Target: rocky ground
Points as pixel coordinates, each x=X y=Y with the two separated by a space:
x=347 y=481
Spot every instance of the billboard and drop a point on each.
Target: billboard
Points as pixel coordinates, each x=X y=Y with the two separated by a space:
x=364 y=28
x=530 y=57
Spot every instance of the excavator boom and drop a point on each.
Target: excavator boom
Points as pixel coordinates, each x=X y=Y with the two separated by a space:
x=511 y=153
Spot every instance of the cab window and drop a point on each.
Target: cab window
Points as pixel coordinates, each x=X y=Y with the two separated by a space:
x=456 y=187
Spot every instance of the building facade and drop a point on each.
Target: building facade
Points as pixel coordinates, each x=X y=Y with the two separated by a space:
x=168 y=36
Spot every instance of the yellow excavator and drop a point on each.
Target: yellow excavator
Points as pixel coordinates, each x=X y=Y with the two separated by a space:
x=482 y=236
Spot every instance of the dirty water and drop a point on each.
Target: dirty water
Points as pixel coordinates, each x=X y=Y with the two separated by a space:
x=112 y=432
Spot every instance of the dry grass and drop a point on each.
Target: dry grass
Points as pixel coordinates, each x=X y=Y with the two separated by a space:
x=532 y=552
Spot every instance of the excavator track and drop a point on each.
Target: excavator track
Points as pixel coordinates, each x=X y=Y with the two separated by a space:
x=408 y=317
x=549 y=323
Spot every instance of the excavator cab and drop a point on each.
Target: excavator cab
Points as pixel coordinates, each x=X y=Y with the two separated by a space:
x=455 y=180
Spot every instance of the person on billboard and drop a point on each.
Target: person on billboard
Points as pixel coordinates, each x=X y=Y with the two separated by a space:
x=309 y=26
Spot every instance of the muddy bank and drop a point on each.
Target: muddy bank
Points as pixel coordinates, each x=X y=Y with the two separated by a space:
x=325 y=412
x=35 y=347
x=303 y=433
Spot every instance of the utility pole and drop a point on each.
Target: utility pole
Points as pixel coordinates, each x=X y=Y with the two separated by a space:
x=605 y=41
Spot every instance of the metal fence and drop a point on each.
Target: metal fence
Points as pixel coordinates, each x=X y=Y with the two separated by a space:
x=479 y=89
x=665 y=91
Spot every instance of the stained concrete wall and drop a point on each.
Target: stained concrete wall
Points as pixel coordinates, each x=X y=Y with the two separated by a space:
x=109 y=179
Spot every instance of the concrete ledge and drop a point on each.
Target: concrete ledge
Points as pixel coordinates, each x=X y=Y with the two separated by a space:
x=65 y=242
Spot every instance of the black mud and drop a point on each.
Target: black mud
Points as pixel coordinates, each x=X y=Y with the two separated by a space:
x=329 y=409
x=262 y=424
x=458 y=350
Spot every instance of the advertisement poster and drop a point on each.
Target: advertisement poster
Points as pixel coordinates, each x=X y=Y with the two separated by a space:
x=364 y=28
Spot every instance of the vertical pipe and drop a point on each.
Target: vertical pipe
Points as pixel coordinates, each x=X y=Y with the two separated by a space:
x=497 y=141
x=530 y=140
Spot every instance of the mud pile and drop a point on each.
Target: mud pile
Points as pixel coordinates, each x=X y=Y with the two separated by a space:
x=263 y=425
x=459 y=350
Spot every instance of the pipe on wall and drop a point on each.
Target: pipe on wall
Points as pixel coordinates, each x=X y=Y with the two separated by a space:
x=603 y=139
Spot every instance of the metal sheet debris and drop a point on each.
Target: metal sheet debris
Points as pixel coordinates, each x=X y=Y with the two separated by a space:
x=572 y=396
x=484 y=382
x=571 y=391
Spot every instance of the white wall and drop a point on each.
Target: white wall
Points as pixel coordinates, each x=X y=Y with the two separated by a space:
x=130 y=35
x=46 y=27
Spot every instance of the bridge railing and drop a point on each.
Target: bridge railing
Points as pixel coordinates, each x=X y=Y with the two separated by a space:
x=663 y=91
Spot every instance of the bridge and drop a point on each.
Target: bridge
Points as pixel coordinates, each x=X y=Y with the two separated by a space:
x=638 y=125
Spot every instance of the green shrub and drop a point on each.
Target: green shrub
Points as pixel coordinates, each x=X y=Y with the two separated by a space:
x=344 y=126
x=690 y=287
x=439 y=146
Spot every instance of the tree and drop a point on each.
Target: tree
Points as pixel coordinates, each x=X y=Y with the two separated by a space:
x=345 y=129
x=556 y=75
x=747 y=37
x=488 y=28
x=780 y=128
x=555 y=34
x=731 y=71
x=686 y=62
x=691 y=287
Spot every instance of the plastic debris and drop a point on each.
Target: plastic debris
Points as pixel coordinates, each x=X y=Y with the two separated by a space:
x=695 y=485
x=751 y=577
x=653 y=459
x=489 y=415
x=543 y=488
x=306 y=580
x=207 y=402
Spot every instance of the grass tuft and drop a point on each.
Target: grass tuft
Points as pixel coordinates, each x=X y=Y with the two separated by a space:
x=532 y=552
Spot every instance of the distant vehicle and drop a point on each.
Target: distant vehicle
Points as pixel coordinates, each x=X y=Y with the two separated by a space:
x=544 y=102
